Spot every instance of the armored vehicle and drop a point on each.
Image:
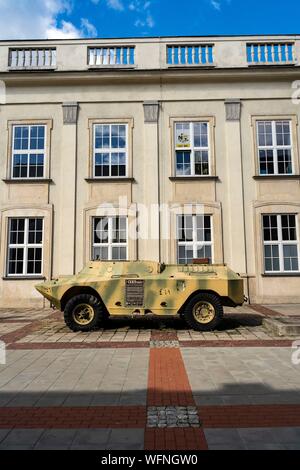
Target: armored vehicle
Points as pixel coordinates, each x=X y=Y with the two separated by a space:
x=107 y=288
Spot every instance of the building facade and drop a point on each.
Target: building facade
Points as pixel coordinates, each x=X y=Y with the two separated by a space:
x=199 y=135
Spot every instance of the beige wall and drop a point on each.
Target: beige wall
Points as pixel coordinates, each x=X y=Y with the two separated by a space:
x=235 y=199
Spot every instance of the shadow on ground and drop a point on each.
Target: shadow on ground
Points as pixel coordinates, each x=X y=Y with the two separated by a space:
x=151 y=322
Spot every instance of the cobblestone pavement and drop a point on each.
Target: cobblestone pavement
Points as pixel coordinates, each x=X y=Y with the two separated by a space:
x=148 y=383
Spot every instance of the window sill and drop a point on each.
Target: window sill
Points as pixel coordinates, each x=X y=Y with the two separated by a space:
x=276 y=177
x=112 y=67
x=27 y=180
x=110 y=180
x=31 y=69
x=192 y=66
x=193 y=178
x=23 y=278
x=271 y=64
x=281 y=275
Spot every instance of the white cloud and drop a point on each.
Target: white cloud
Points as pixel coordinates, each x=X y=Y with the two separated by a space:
x=115 y=4
x=216 y=4
x=139 y=23
x=150 y=21
x=140 y=9
x=66 y=31
x=219 y=4
x=37 y=19
x=144 y=16
x=139 y=5
x=88 y=27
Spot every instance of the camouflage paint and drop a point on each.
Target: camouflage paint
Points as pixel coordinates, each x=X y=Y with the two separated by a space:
x=167 y=287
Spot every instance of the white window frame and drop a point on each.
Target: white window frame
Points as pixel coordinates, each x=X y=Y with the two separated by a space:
x=26 y=245
x=192 y=149
x=275 y=147
x=110 y=149
x=109 y=244
x=28 y=151
x=195 y=244
x=280 y=243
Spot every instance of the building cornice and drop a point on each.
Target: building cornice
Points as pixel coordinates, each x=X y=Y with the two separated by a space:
x=255 y=73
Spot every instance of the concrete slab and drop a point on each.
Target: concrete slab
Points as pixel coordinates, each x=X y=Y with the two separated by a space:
x=18 y=438
x=214 y=381
x=55 y=439
x=286 y=309
x=283 y=326
x=253 y=438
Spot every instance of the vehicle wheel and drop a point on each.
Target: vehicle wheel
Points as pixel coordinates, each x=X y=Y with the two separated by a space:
x=203 y=312
x=84 y=312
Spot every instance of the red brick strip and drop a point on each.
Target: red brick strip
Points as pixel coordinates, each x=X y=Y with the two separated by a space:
x=268 y=312
x=145 y=344
x=69 y=345
x=34 y=325
x=168 y=383
x=249 y=416
x=73 y=417
x=175 y=439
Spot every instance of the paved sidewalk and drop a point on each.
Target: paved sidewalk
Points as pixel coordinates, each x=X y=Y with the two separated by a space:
x=147 y=383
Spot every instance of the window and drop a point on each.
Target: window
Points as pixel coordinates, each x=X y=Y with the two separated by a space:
x=271 y=53
x=109 y=238
x=25 y=246
x=281 y=246
x=110 y=150
x=120 y=55
x=28 y=151
x=192 y=148
x=40 y=58
x=194 y=238
x=193 y=54
x=274 y=147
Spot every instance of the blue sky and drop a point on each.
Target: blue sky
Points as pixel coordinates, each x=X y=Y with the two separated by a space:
x=120 y=18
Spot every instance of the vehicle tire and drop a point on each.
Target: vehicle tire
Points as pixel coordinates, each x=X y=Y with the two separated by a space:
x=203 y=312
x=84 y=312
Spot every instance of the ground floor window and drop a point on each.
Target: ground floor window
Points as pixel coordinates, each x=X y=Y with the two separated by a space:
x=25 y=246
x=109 y=240
x=194 y=238
x=281 y=243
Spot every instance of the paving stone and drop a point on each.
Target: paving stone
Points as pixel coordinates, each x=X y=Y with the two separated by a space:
x=171 y=416
x=233 y=446
x=21 y=437
x=129 y=438
x=87 y=437
x=256 y=435
x=3 y=434
x=225 y=437
x=286 y=435
x=265 y=446
x=164 y=344
x=56 y=439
